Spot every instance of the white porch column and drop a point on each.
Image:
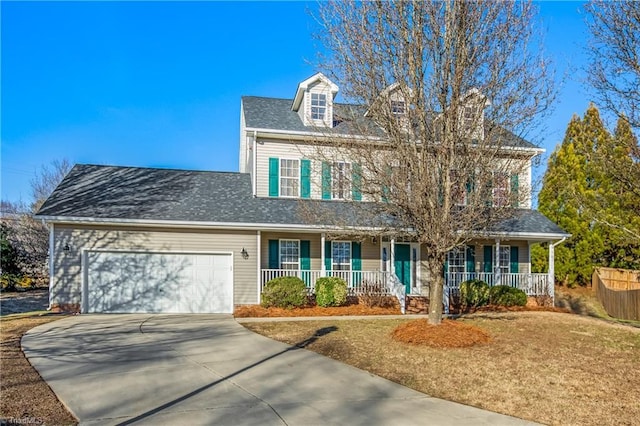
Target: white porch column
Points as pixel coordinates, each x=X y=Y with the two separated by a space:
x=323 y=268
x=258 y=264
x=496 y=263
x=552 y=270
x=392 y=255
x=530 y=277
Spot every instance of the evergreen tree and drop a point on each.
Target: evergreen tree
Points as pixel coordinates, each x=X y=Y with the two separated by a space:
x=581 y=195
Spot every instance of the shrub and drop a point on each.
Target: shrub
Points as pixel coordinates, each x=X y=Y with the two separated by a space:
x=474 y=293
x=10 y=282
x=331 y=291
x=284 y=292
x=504 y=295
x=372 y=295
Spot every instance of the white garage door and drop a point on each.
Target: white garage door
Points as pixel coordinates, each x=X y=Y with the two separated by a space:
x=129 y=282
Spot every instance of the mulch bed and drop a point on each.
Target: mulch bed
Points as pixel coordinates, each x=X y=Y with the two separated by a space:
x=257 y=311
x=449 y=334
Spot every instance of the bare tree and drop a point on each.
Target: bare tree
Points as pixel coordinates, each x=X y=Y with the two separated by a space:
x=30 y=237
x=614 y=49
x=46 y=180
x=446 y=90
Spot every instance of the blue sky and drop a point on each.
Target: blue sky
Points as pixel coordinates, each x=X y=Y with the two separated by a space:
x=159 y=84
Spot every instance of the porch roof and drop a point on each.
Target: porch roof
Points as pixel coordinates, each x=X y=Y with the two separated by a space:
x=110 y=194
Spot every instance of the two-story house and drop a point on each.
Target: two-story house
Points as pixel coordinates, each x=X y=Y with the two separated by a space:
x=126 y=239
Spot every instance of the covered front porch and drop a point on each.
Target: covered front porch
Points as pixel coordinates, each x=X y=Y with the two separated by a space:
x=396 y=267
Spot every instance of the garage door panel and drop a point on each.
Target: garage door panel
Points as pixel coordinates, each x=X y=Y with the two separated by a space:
x=159 y=282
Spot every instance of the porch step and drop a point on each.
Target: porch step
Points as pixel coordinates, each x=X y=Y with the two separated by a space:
x=417 y=305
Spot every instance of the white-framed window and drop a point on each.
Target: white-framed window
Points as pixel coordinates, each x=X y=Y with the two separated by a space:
x=398 y=107
x=318 y=106
x=290 y=254
x=289 y=178
x=458 y=188
x=469 y=117
x=340 y=180
x=504 y=259
x=341 y=255
x=500 y=190
x=456 y=259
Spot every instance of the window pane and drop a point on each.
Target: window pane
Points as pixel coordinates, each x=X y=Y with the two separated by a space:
x=505 y=259
x=289 y=254
x=318 y=106
x=289 y=177
x=341 y=255
x=341 y=173
x=500 y=189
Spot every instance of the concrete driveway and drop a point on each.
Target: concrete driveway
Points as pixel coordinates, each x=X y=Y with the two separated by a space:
x=208 y=369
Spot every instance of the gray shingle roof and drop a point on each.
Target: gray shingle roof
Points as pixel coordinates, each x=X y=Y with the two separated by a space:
x=132 y=193
x=276 y=114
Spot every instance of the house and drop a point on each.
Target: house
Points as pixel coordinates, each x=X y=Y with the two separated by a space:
x=127 y=239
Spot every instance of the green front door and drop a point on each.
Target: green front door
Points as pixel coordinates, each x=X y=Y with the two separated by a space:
x=402 y=264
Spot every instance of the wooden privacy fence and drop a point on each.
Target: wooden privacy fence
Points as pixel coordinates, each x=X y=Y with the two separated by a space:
x=619 y=292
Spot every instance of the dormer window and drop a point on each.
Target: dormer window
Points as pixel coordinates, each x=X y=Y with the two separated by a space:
x=318 y=106
x=397 y=107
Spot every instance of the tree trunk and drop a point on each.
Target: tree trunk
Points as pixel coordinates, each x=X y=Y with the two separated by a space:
x=436 y=289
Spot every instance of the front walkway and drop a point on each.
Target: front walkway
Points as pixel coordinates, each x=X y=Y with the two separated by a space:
x=208 y=369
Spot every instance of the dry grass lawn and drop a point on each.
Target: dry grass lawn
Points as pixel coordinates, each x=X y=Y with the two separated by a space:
x=547 y=367
x=25 y=396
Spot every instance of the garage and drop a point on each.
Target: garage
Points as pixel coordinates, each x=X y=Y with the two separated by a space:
x=157 y=282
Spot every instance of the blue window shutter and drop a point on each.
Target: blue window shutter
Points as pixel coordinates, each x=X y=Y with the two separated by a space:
x=305 y=255
x=445 y=269
x=327 y=255
x=489 y=193
x=305 y=178
x=471 y=186
x=471 y=259
x=514 y=260
x=356 y=182
x=514 y=190
x=356 y=259
x=274 y=178
x=274 y=255
x=326 y=180
x=488 y=259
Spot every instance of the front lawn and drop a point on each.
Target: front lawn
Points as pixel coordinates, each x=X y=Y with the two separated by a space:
x=26 y=397
x=542 y=366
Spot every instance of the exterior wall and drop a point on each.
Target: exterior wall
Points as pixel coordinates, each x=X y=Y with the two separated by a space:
x=370 y=253
x=66 y=281
x=267 y=148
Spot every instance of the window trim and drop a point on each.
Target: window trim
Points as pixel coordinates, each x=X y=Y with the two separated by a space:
x=398 y=107
x=347 y=189
x=280 y=263
x=498 y=267
x=321 y=104
x=507 y=189
x=463 y=249
x=281 y=176
x=333 y=257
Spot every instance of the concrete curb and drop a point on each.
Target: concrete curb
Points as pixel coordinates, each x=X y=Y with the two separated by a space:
x=330 y=318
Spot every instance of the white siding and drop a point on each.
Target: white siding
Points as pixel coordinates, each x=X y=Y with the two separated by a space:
x=66 y=282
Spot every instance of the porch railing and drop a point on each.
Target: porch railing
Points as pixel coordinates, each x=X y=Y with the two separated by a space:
x=355 y=280
x=532 y=284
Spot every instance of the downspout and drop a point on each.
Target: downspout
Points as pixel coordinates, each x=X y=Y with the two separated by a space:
x=552 y=247
x=51 y=256
x=255 y=161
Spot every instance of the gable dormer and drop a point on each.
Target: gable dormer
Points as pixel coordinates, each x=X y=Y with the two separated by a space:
x=391 y=103
x=314 y=101
x=472 y=107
